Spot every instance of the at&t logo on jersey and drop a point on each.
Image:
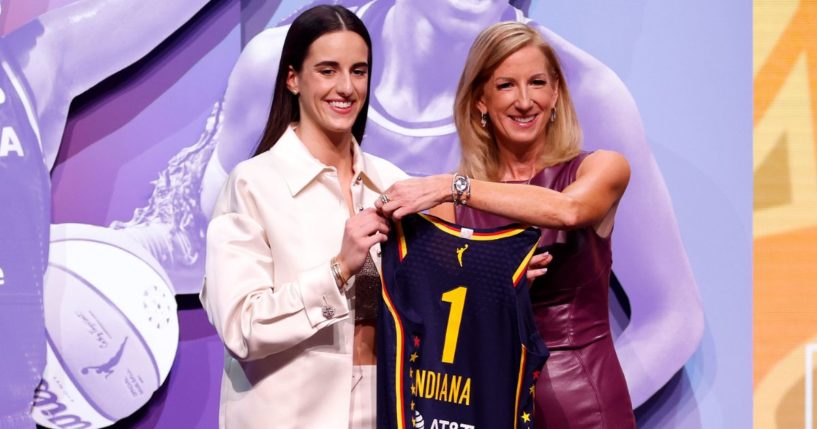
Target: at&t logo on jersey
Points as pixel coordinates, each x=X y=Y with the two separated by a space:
x=418 y=422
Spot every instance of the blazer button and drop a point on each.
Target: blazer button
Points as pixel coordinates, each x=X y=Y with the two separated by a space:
x=358 y=179
x=328 y=311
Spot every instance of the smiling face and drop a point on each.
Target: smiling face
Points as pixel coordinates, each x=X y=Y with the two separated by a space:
x=519 y=97
x=333 y=82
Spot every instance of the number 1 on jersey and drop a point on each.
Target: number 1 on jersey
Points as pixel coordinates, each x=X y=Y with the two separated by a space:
x=452 y=331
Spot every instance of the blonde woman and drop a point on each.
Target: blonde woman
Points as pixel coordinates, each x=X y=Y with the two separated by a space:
x=522 y=162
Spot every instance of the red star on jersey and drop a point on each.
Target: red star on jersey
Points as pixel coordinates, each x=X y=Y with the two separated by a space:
x=416 y=341
x=536 y=375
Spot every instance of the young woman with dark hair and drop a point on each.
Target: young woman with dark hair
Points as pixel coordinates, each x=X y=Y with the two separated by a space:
x=292 y=254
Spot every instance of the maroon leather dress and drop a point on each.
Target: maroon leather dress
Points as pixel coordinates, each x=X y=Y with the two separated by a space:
x=581 y=385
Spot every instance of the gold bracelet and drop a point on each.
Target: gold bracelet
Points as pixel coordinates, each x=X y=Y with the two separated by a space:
x=336 y=273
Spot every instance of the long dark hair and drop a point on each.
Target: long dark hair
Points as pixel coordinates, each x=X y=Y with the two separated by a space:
x=305 y=29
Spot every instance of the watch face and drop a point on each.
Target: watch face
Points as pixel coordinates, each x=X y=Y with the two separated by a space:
x=460 y=184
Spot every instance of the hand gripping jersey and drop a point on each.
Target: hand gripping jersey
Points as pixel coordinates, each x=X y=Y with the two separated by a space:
x=456 y=343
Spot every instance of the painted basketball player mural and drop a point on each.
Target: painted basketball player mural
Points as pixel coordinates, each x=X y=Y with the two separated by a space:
x=45 y=64
x=421 y=48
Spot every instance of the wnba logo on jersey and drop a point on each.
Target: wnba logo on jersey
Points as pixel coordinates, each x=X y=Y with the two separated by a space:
x=460 y=251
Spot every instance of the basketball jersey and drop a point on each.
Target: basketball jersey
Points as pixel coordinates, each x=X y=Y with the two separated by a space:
x=456 y=342
x=24 y=223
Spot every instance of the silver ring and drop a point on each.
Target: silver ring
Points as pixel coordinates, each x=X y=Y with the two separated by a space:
x=384 y=198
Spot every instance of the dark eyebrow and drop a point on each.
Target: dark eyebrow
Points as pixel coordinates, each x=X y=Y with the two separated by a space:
x=327 y=64
x=335 y=64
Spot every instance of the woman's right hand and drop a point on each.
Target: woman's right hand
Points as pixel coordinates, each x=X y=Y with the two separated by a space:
x=414 y=195
x=360 y=233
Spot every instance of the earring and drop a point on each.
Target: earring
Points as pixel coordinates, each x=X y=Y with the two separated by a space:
x=294 y=92
x=553 y=115
x=483 y=120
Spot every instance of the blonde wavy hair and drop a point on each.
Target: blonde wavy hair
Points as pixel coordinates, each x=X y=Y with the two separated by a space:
x=480 y=155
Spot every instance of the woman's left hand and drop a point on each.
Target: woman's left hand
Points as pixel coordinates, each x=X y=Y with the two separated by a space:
x=414 y=195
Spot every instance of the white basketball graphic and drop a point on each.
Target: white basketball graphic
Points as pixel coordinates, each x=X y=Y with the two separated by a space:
x=111 y=325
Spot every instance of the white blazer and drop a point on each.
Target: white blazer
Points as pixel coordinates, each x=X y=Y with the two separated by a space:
x=277 y=222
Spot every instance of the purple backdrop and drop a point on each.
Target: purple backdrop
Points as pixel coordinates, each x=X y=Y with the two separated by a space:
x=152 y=131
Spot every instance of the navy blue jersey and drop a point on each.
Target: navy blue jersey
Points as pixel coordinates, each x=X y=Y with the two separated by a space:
x=456 y=342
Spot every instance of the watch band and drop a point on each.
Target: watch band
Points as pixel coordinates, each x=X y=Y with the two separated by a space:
x=460 y=189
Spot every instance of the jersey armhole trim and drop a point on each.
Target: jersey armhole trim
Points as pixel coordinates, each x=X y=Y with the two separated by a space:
x=523 y=267
x=402 y=247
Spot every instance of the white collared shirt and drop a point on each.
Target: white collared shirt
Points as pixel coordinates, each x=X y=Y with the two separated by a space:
x=269 y=289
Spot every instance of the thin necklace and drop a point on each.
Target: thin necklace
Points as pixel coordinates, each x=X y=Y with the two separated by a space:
x=532 y=173
x=530 y=177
